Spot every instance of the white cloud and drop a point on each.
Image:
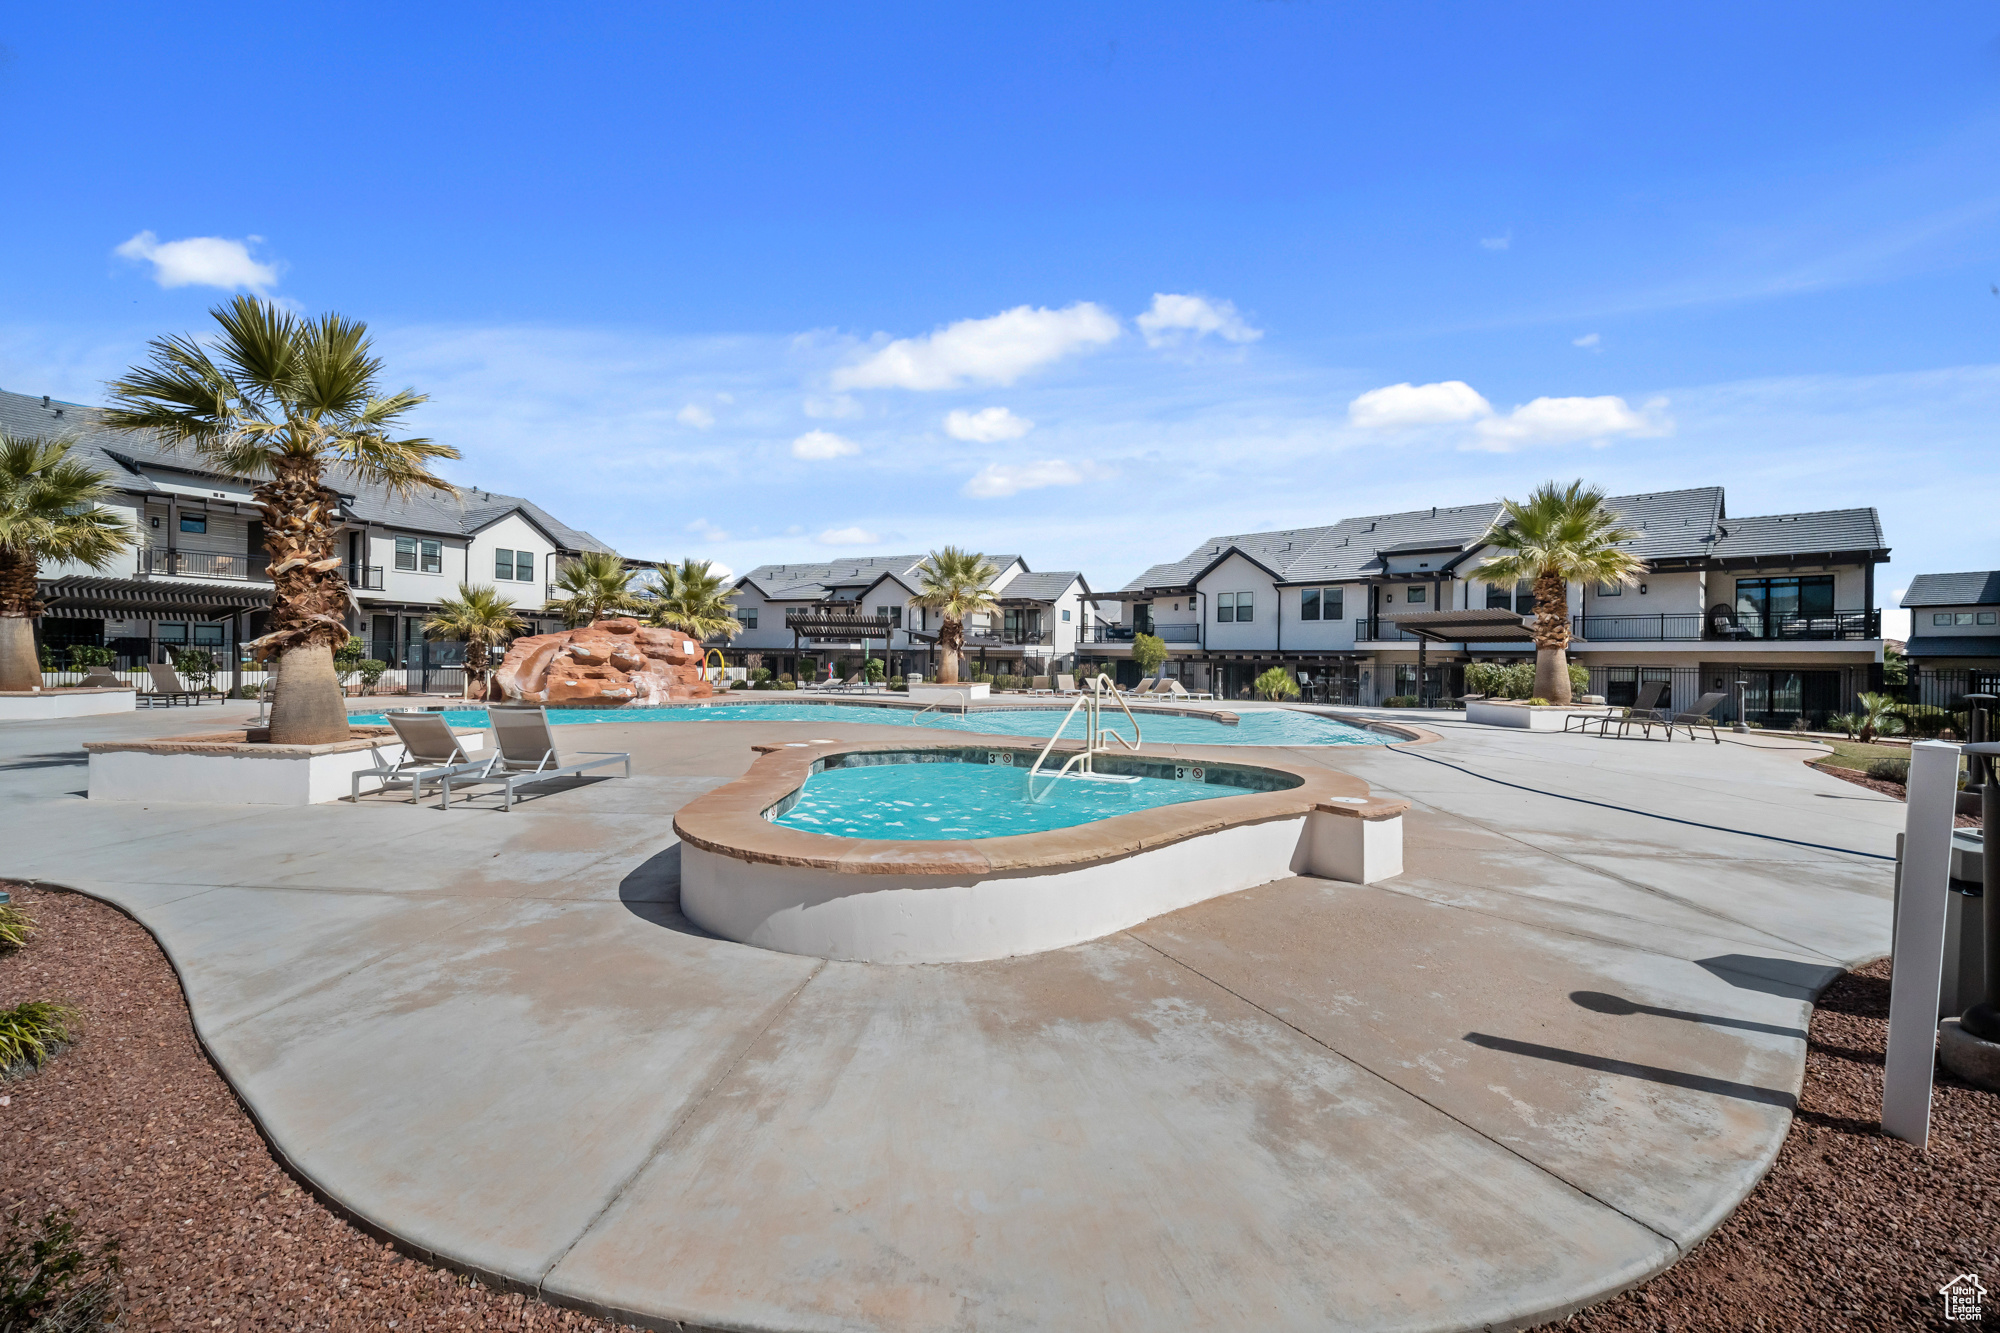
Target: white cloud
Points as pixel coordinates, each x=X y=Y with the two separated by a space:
x=996 y=481
x=1176 y=318
x=201 y=261
x=837 y=406
x=819 y=445
x=1587 y=340
x=987 y=426
x=849 y=537
x=695 y=415
x=1567 y=420
x=997 y=350
x=707 y=531
x=1496 y=242
x=1398 y=405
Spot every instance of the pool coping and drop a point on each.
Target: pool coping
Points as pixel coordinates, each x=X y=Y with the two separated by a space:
x=729 y=821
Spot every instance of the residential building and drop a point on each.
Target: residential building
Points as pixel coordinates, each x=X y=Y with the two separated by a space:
x=1955 y=626
x=828 y=611
x=1389 y=605
x=198 y=577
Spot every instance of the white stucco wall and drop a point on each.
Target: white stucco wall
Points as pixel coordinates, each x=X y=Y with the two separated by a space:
x=512 y=533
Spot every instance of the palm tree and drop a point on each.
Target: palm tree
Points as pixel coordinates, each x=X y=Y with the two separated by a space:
x=47 y=512
x=692 y=599
x=1559 y=535
x=481 y=618
x=956 y=584
x=593 y=585
x=1880 y=715
x=283 y=399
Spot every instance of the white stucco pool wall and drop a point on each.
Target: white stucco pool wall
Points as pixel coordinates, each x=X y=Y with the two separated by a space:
x=42 y=705
x=944 y=918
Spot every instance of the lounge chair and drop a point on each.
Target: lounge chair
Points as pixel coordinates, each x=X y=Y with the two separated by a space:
x=1172 y=689
x=1701 y=715
x=1066 y=685
x=1143 y=690
x=1039 y=685
x=103 y=678
x=431 y=752
x=1645 y=713
x=524 y=748
x=167 y=686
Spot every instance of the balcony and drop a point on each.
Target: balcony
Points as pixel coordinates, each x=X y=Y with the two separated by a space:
x=364 y=578
x=1103 y=633
x=1124 y=633
x=1375 y=629
x=1684 y=627
x=1007 y=638
x=202 y=564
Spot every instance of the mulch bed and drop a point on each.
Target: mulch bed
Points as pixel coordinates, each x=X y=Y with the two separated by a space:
x=1893 y=789
x=1852 y=1229
x=133 y=1129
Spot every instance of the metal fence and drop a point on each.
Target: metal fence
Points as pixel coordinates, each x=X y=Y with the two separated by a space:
x=1947 y=688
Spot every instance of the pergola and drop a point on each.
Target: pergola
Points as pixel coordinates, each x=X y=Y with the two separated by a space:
x=1462 y=627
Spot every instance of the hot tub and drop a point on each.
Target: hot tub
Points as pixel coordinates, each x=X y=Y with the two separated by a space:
x=958 y=865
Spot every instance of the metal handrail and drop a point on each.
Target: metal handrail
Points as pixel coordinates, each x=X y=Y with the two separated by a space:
x=1093 y=737
x=964 y=703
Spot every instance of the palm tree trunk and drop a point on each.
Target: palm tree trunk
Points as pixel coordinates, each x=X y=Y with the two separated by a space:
x=19 y=668
x=950 y=636
x=1551 y=634
x=475 y=670
x=308 y=604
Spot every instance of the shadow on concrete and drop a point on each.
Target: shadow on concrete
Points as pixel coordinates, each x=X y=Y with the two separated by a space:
x=1600 y=1003
x=67 y=759
x=652 y=892
x=1788 y=977
x=1720 y=1087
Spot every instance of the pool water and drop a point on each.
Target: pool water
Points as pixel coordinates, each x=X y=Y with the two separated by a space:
x=944 y=802
x=1275 y=727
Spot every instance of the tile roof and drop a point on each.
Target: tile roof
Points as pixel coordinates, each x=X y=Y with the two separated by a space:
x=1953 y=645
x=1673 y=525
x=803 y=581
x=121 y=454
x=1979 y=587
x=1043 y=587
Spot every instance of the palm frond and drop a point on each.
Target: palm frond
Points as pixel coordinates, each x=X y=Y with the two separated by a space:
x=261 y=345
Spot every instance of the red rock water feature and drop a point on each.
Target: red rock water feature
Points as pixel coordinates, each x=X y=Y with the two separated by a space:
x=609 y=664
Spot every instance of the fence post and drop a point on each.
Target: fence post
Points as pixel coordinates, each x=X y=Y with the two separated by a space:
x=1918 y=965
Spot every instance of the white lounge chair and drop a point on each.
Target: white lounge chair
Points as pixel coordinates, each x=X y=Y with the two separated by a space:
x=1173 y=689
x=431 y=752
x=1066 y=685
x=524 y=752
x=1039 y=685
x=1143 y=690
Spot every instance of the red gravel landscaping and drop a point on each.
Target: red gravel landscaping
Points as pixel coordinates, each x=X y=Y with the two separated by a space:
x=133 y=1129
x=1851 y=1230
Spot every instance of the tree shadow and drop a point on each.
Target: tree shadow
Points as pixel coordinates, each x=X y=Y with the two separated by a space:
x=1601 y=1003
x=1720 y=1087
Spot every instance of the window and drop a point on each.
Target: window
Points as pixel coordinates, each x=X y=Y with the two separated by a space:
x=172 y=631
x=893 y=614
x=1612 y=589
x=1309 y=604
x=1770 y=608
x=1418 y=593
x=1225 y=608
x=1962 y=618
x=1940 y=617
x=194 y=522
x=748 y=615
x=208 y=636
x=1065 y=616
x=1333 y=603
x=433 y=557
x=524 y=566
x=406 y=552
x=1988 y=617
x=503 y=564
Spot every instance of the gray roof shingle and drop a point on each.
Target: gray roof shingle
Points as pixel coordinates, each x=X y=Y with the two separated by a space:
x=796 y=581
x=1979 y=587
x=121 y=453
x=1043 y=587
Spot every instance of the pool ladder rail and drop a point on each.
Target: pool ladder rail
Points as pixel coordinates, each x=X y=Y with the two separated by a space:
x=1091 y=701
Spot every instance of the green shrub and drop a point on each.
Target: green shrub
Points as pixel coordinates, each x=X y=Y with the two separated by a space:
x=84 y=656
x=1400 y=701
x=51 y=1282
x=788 y=684
x=196 y=665
x=1847 y=724
x=34 y=1030
x=1889 y=770
x=1924 y=721
x=761 y=675
x=371 y=670
x=1274 y=685
x=15 y=927
x=873 y=669
x=50 y=662
x=785 y=678
x=984 y=678
x=1148 y=652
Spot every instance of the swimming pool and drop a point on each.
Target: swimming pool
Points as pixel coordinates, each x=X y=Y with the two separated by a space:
x=953 y=801
x=1258 y=727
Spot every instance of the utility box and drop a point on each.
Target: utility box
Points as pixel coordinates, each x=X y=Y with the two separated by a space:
x=1963 y=981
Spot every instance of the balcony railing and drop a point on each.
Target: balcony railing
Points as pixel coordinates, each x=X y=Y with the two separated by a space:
x=1673 y=626
x=364 y=578
x=1102 y=633
x=1123 y=633
x=1376 y=629
x=1797 y=625
x=202 y=564
x=1007 y=638
x=1682 y=627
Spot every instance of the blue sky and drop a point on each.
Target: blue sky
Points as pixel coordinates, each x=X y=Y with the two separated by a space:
x=1088 y=283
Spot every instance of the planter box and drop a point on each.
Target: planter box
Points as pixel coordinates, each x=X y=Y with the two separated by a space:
x=930 y=692
x=237 y=767
x=1527 y=717
x=39 y=705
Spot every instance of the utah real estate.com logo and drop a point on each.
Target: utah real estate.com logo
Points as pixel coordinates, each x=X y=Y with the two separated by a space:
x=1962 y=1297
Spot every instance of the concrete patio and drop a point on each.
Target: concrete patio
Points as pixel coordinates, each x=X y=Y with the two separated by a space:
x=1533 y=1069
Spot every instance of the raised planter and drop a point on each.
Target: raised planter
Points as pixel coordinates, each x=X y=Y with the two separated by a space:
x=930 y=692
x=40 y=705
x=880 y=901
x=237 y=767
x=1525 y=716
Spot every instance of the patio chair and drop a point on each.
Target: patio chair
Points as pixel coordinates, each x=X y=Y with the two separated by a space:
x=1172 y=689
x=431 y=752
x=1039 y=685
x=1646 y=712
x=525 y=753
x=1066 y=685
x=103 y=678
x=1143 y=690
x=1701 y=715
x=167 y=686
x=1580 y=722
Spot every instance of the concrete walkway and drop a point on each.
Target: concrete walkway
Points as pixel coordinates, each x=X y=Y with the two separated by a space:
x=1532 y=1070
